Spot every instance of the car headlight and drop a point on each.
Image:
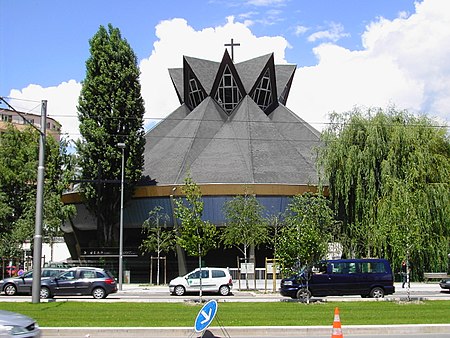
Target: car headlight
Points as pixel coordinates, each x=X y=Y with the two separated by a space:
x=14 y=329
x=288 y=282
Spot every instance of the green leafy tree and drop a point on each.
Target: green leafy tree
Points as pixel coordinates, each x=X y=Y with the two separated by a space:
x=245 y=226
x=110 y=111
x=19 y=152
x=195 y=235
x=159 y=238
x=308 y=229
x=389 y=181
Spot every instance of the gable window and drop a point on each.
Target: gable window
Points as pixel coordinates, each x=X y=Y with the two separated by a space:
x=263 y=92
x=196 y=94
x=228 y=94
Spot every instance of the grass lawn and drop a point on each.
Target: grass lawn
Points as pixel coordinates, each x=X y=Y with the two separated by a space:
x=104 y=314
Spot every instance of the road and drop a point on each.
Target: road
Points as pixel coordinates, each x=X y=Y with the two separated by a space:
x=142 y=293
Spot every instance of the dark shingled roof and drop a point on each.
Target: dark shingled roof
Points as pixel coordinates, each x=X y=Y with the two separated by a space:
x=244 y=146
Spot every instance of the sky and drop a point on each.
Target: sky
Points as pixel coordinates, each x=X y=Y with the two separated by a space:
x=348 y=53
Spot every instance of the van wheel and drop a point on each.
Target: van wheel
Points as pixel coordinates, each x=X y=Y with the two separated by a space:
x=179 y=290
x=224 y=290
x=303 y=294
x=377 y=292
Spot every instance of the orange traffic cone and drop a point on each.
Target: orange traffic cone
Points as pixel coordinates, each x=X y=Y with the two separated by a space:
x=337 y=331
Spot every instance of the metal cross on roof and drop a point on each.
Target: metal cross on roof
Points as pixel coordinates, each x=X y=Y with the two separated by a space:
x=232 y=44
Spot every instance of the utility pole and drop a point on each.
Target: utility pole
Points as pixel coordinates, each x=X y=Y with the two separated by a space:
x=37 y=243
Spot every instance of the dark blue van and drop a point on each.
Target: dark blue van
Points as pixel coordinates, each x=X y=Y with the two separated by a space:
x=339 y=277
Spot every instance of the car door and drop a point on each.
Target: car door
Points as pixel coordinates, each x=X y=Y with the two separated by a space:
x=208 y=284
x=24 y=282
x=319 y=283
x=193 y=281
x=84 y=282
x=65 y=284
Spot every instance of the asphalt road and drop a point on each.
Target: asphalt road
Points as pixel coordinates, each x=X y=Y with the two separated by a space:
x=144 y=293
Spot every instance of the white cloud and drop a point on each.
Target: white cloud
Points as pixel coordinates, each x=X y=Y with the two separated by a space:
x=62 y=103
x=334 y=33
x=176 y=38
x=265 y=2
x=300 y=30
x=404 y=62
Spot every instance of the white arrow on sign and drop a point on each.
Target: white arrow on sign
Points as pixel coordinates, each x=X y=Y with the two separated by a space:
x=206 y=315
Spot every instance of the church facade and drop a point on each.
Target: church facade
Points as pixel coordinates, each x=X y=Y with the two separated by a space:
x=232 y=133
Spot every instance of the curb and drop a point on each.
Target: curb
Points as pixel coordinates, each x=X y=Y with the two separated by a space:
x=239 y=331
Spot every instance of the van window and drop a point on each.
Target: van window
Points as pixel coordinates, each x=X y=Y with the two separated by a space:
x=345 y=267
x=196 y=274
x=218 y=274
x=373 y=267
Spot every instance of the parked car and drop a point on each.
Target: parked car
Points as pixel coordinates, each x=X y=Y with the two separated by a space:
x=213 y=280
x=445 y=284
x=365 y=277
x=80 y=281
x=22 y=284
x=18 y=326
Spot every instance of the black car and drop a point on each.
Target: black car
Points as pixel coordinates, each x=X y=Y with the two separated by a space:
x=445 y=284
x=22 y=284
x=80 y=281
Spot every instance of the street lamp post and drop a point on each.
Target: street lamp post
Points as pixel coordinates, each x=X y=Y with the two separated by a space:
x=121 y=146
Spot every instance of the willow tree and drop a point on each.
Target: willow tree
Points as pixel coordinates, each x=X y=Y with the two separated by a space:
x=110 y=111
x=389 y=180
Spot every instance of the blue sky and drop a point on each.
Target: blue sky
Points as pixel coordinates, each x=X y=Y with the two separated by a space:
x=348 y=52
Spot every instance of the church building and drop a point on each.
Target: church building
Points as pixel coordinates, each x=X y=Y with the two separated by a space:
x=232 y=133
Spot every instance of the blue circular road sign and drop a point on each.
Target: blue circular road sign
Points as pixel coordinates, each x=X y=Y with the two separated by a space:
x=205 y=316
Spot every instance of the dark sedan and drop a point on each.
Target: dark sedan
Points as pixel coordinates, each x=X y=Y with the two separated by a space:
x=22 y=284
x=445 y=284
x=80 y=281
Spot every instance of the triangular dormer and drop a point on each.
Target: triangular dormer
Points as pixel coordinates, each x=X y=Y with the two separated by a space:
x=194 y=93
x=264 y=91
x=227 y=90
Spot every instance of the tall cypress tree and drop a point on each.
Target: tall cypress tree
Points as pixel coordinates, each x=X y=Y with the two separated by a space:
x=110 y=111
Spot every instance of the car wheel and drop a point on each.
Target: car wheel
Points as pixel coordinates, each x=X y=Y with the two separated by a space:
x=45 y=293
x=303 y=294
x=10 y=290
x=179 y=290
x=99 y=293
x=224 y=290
x=377 y=292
